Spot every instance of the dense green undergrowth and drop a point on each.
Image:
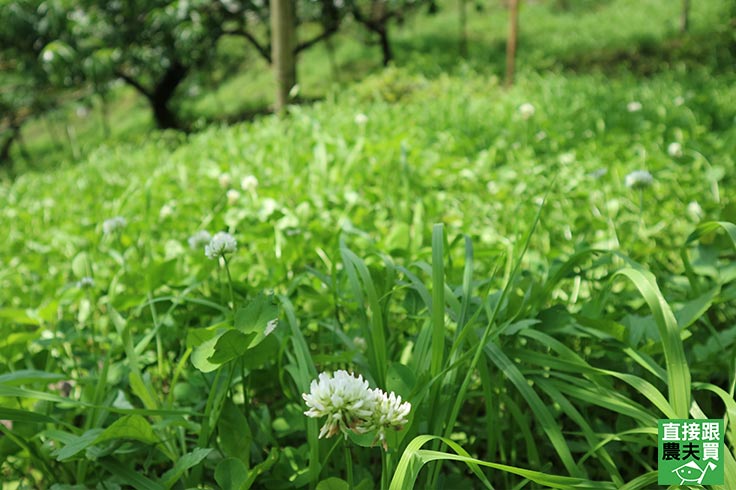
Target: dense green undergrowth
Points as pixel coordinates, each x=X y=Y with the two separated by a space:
x=480 y=257
x=151 y=361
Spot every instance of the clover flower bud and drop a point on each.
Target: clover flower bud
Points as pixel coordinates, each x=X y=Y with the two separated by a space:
x=222 y=243
x=112 y=225
x=86 y=283
x=224 y=180
x=249 y=183
x=526 y=110
x=199 y=239
x=674 y=149
x=232 y=196
x=639 y=179
x=634 y=106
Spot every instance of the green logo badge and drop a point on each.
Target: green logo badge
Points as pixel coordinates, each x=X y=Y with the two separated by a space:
x=690 y=452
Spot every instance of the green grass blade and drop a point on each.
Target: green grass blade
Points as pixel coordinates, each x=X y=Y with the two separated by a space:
x=678 y=373
x=538 y=407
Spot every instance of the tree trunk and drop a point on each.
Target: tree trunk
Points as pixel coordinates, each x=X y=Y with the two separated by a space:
x=463 y=29
x=162 y=94
x=7 y=144
x=512 y=41
x=283 y=44
x=382 y=31
x=685 y=16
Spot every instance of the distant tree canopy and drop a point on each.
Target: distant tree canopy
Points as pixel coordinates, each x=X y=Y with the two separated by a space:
x=151 y=45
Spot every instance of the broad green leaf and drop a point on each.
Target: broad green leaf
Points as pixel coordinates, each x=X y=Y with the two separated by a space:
x=133 y=427
x=230 y=345
x=231 y=474
x=183 y=464
x=77 y=444
x=130 y=476
x=257 y=317
x=234 y=431
x=333 y=483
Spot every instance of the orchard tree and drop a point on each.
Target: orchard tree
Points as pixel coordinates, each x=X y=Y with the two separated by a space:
x=152 y=45
x=31 y=46
x=272 y=30
x=376 y=15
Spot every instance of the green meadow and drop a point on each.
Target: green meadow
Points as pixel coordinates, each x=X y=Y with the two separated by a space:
x=541 y=271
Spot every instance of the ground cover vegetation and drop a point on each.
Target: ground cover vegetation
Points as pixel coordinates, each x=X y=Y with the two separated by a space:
x=423 y=280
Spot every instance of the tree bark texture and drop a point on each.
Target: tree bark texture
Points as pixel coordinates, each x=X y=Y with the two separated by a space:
x=512 y=41
x=283 y=44
x=685 y=16
x=162 y=93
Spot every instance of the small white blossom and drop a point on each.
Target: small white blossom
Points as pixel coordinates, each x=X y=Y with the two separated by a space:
x=249 y=183
x=526 y=110
x=679 y=100
x=639 y=179
x=224 y=180
x=694 y=210
x=166 y=211
x=232 y=196
x=199 y=239
x=86 y=282
x=634 y=106
x=597 y=174
x=360 y=343
x=567 y=158
x=540 y=136
x=345 y=400
x=350 y=405
x=674 y=149
x=222 y=243
x=112 y=225
x=361 y=119
x=389 y=413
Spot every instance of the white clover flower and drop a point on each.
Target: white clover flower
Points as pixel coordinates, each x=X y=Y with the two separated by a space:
x=567 y=158
x=86 y=283
x=166 y=211
x=674 y=149
x=634 y=106
x=232 y=196
x=222 y=243
x=249 y=183
x=112 y=225
x=639 y=179
x=345 y=400
x=526 y=110
x=199 y=239
x=350 y=405
x=389 y=413
x=224 y=180
x=360 y=343
x=361 y=119
x=694 y=210
x=597 y=174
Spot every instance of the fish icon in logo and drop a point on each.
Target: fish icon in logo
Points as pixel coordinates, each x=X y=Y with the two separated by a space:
x=690 y=472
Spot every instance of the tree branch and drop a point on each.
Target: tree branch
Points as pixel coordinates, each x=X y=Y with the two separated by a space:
x=264 y=51
x=326 y=34
x=133 y=83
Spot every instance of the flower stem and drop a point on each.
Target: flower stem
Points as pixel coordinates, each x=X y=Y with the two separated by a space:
x=349 y=465
x=229 y=284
